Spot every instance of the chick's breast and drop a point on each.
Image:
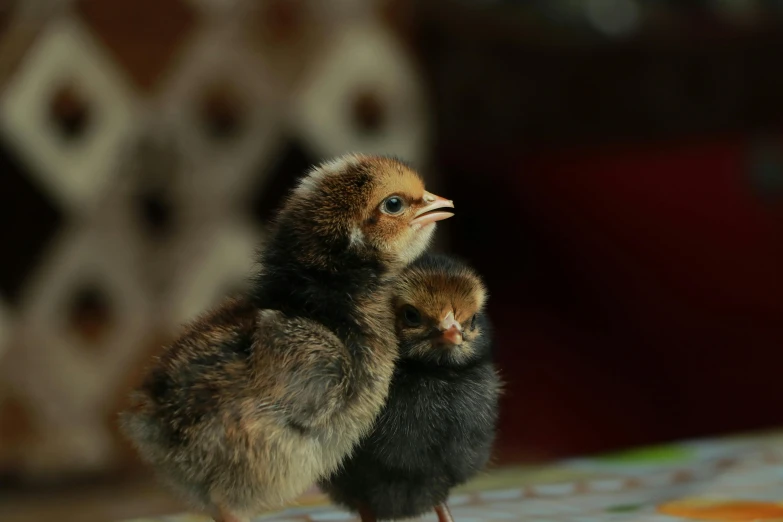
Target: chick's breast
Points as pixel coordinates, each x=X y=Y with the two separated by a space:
x=435 y=432
x=440 y=423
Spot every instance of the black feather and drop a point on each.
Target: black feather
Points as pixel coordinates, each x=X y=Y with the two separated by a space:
x=435 y=432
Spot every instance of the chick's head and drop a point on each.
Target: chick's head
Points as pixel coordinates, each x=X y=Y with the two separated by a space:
x=439 y=308
x=373 y=207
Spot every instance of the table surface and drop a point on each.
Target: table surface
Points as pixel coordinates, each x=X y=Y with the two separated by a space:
x=738 y=478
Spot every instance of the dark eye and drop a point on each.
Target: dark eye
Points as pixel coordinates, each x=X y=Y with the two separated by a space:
x=393 y=205
x=411 y=316
x=473 y=323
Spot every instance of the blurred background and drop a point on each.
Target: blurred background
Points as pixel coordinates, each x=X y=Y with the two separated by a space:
x=617 y=168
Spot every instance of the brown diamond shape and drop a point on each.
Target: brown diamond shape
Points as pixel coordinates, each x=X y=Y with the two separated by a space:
x=70 y=112
x=286 y=35
x=369 y=111
x=282 y=21
x=17 y=430
x=143 y=35
x=90 y=313
x=6 y=12
x=221 y=111
x=400 y=17
x=151 y=164
x=15 y=39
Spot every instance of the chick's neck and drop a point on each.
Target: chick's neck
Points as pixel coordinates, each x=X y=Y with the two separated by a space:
x=326 y=286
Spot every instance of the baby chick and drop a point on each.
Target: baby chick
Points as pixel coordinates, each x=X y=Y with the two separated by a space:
x=269 y=392
x=438 y=426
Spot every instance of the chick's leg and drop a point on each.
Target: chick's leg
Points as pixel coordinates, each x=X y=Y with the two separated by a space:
x=366 y=514
x=221 y=515
x=443 y=512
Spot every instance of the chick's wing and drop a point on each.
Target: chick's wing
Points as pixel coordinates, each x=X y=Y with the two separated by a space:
x=303 y=364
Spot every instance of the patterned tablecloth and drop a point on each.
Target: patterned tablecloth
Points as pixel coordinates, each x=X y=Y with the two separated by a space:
x=739 y=478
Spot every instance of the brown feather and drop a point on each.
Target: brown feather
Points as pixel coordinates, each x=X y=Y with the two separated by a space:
x=269 y=392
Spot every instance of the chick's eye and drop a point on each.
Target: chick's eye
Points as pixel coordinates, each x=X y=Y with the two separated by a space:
x=393 y=205
x=411 y=316
x=473 y=322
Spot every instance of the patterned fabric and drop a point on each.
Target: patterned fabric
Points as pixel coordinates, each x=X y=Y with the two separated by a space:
x=733 y=479
x=143 y=146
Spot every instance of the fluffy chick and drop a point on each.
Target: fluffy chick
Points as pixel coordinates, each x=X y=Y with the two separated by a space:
x=270 y=391
x=438 y=426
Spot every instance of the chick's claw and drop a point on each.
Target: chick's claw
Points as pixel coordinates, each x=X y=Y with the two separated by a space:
x=220 y=515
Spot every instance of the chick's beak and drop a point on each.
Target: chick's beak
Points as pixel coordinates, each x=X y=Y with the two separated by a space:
x=431 y=211
x=452 y=330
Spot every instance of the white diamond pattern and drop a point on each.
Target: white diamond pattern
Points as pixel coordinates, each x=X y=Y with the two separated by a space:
x=66 y=55
x=165 y=232
x=59 y=363
x=362 y=59
x=210 y=264
x=220 y=169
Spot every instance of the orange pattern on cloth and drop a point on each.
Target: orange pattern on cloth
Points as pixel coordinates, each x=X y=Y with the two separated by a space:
x=723 y=510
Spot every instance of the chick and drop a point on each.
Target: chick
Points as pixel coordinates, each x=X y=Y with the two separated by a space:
x=438 y=426
x=261 y=397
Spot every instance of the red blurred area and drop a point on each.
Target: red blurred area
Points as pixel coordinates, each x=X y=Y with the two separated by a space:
x=637 y=292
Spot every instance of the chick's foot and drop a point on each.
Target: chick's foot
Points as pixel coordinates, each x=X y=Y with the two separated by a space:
x=366 y=514
x=443 y=512
x=221 y=515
